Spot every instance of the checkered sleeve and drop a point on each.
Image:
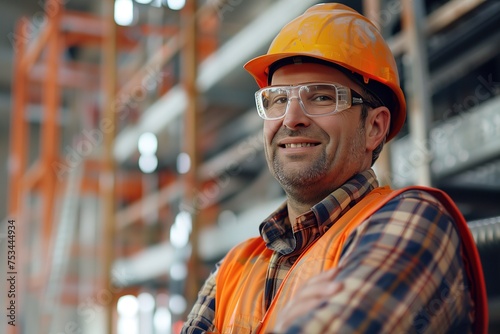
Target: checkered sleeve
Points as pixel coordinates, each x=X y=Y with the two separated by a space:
x=201 y=318
x=402 y=272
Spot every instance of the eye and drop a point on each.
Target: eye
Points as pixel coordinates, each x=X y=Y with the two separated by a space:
x=322 y=98
x=319 y=95
x=281 y=100
x=278 y=97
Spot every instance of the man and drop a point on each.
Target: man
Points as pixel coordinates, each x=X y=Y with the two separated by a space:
x=342 y=254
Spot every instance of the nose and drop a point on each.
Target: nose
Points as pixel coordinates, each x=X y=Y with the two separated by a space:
x=294 y=115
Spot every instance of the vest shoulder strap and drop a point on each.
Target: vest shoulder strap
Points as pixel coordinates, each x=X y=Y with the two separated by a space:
x=471 y=259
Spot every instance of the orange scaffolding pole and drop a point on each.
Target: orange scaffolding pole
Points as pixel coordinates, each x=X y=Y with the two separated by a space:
x=108 y=177
x=50 y=130
x=19 y=133
x=18 y=161
x=192 y=183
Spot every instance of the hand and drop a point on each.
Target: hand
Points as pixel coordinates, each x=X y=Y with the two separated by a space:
x=314 y=292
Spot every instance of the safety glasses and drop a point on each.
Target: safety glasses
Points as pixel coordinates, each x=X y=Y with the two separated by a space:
x=315 y=99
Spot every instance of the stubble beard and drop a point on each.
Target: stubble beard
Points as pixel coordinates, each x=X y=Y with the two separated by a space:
x=297 y=183
x=298 y=179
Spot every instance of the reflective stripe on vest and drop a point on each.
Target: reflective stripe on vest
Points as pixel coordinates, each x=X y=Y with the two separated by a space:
x=242 y=275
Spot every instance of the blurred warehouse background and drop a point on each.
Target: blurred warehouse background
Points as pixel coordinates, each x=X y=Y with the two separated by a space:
x=133 y=153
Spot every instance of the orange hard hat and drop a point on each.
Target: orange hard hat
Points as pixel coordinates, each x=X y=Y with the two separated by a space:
x=340 y=35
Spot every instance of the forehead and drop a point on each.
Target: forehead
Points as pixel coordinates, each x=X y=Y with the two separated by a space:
x=294 y=74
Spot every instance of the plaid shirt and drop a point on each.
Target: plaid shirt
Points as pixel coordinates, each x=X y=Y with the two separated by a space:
x=402 y=268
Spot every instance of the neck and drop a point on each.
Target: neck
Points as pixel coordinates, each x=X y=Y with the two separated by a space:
x=297 y=207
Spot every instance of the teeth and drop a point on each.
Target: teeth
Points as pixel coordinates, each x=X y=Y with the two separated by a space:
x=298 y=145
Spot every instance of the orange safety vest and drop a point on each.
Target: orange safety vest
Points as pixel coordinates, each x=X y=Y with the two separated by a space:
x=241 y=277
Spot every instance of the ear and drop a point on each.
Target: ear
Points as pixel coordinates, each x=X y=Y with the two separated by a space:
x=377 y=126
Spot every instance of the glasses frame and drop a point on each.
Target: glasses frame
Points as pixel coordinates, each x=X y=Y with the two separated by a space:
x=349 y=98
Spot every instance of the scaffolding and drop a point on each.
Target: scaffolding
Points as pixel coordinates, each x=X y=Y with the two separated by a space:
x=56 y=197
x=48 y=190
x=48 y=194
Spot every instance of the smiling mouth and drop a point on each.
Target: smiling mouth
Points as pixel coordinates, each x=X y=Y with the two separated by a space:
x=296 y=145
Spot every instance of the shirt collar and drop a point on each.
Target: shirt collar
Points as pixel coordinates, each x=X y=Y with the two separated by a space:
x=346 y=196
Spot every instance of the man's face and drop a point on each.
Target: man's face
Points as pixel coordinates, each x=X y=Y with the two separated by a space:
x=312 y=156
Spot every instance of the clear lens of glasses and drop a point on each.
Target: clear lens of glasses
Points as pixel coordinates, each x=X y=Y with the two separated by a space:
x=316 y=99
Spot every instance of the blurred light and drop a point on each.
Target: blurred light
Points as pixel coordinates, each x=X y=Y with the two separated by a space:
x=227 y=217
x=178 y=271
x=184 y=218
x=147 y=144
x=177 y=304
x=148 y=163
x=183 y=163
x=128 y=325
x=162 y=320
x=176 y=4
x=180 y=230
x=128 y=319
x=146 y=302
x=127 y=306
x=146 y=312
x=143 y=2
x=124 y=12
